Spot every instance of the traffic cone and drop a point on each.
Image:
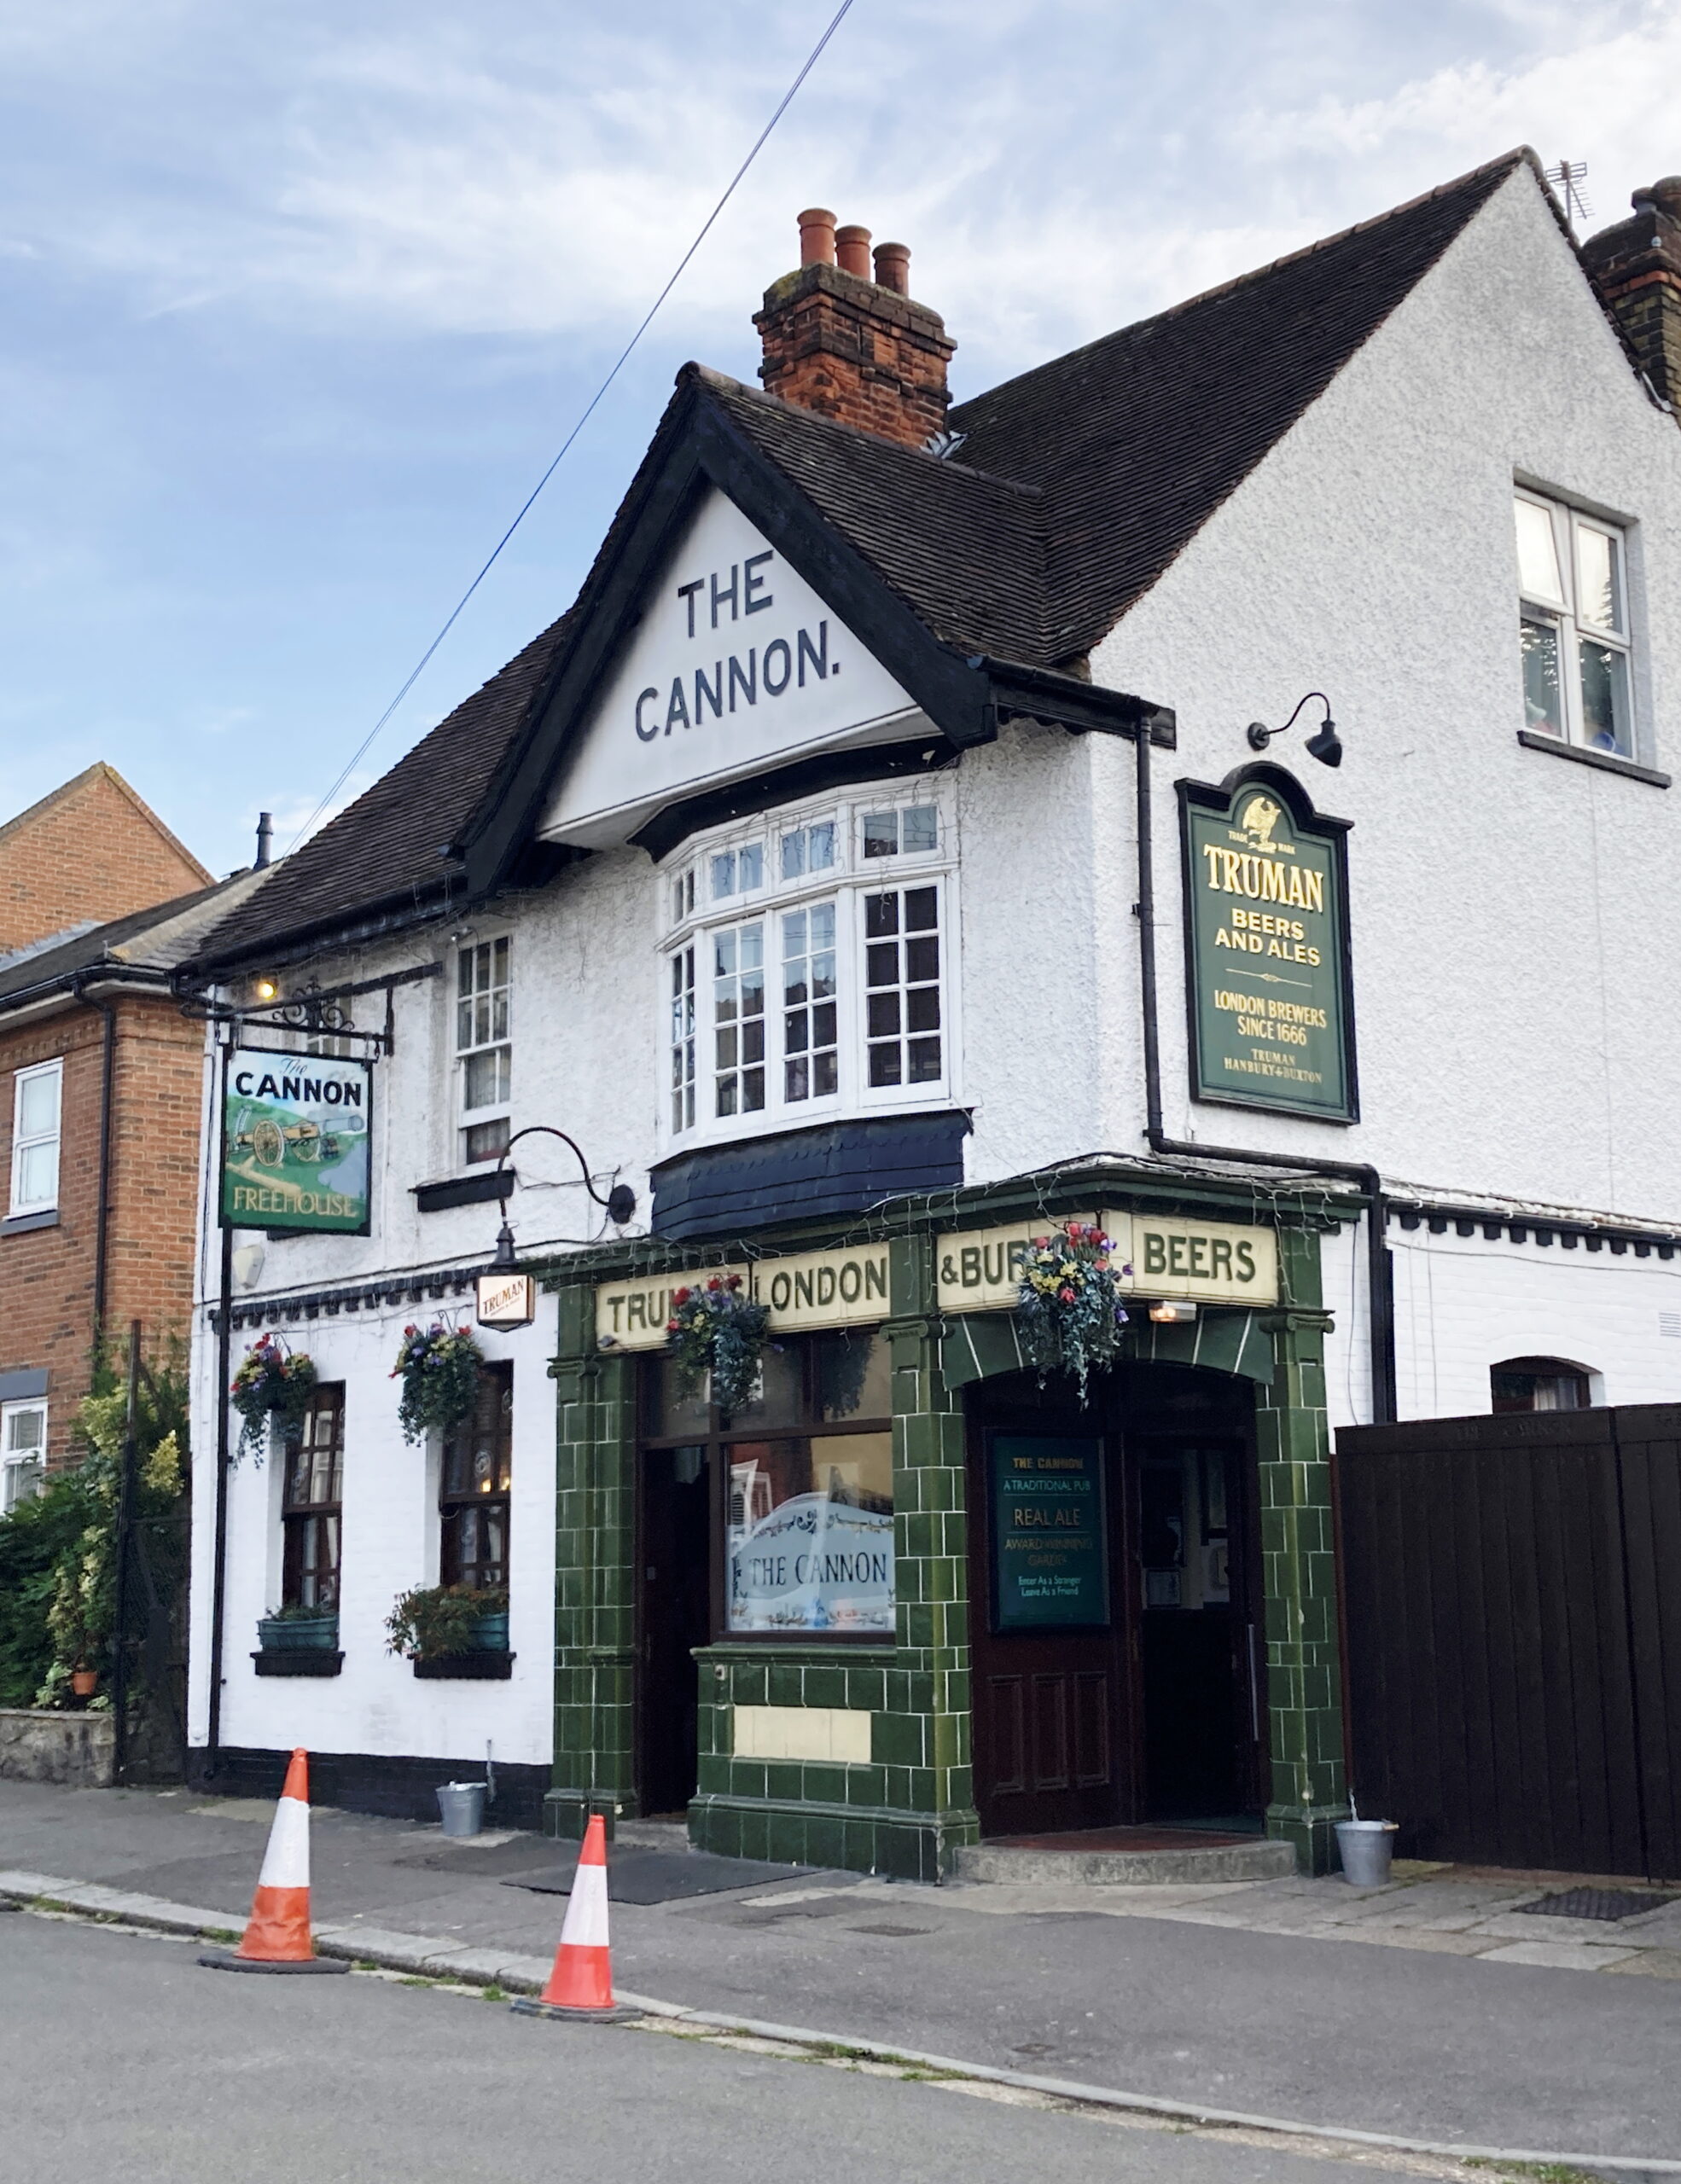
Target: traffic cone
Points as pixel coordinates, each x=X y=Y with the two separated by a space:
x=278 y=1935
x=581 y=1982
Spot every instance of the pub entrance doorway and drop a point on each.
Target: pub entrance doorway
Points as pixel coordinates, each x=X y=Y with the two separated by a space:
x=1116 y=1602
x=673 y=1617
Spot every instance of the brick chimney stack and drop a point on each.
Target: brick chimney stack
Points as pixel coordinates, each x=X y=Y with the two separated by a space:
x=851 y=346
x=1636 y=268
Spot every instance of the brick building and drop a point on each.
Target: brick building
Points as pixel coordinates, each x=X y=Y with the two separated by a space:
x=101 y=1094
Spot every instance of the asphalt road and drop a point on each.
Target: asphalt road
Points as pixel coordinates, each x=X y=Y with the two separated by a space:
x=125 y=2059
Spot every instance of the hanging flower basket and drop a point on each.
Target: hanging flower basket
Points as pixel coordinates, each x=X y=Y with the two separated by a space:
x=718 y=1330
x=1069 y=1307
x=439 y=1368
x=271 y=1382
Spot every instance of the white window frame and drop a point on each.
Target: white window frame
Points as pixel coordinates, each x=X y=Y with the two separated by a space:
x=14 y=1460
x=690 y=915
x=1562 y=613
x=466 y=1049
x=20 y=1144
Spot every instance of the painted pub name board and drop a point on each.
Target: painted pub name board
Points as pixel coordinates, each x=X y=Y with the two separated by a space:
x=1169 y=1255
x=1266 y=916
x=846 y=1287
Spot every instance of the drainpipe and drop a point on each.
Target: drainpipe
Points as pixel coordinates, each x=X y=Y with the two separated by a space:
x=101 y=1231
x=224 y=1350
x=1381 y=1310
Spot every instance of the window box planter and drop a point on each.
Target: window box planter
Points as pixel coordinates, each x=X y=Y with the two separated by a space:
x=481 y=1667
x=298 y=1660
x=297 y=1634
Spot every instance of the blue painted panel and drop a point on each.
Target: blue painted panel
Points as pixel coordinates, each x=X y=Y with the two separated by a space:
x=798 y=1174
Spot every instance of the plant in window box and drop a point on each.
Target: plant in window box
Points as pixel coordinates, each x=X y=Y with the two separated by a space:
x=438 y=1367
x=298 y=1629
x=271 y=1383
x=1069 y=1307
x=718 y=1330
x=435 y=1623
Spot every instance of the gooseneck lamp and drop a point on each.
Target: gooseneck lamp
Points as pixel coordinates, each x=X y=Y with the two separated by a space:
x=1324 y=744
x=620 y=1201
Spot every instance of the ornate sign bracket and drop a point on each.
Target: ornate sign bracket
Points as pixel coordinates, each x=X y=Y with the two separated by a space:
x=318 y=1012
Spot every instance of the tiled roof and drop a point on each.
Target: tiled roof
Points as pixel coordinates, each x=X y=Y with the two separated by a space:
x=1073 y=488
x=146 y=943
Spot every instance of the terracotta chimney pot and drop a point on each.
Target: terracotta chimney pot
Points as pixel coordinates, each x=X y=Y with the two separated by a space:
x=852 y=249
x=892 y=267
x=816 y=237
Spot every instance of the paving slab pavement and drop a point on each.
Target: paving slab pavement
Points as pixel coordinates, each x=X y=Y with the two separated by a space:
x=1224 y=1996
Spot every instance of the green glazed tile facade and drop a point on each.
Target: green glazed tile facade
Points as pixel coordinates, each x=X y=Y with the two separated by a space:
x=906 y=1810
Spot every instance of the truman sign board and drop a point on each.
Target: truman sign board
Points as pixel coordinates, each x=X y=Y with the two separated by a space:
x=294 y=1142
x=1266 y=919
x=735 y=665
x=840 y=1288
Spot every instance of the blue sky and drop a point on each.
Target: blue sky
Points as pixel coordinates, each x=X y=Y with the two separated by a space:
x=297 y=301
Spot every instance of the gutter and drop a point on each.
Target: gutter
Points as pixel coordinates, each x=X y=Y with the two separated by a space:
x=1379 y=1292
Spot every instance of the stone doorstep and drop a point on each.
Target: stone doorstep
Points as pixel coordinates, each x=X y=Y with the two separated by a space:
x=1259 y=1860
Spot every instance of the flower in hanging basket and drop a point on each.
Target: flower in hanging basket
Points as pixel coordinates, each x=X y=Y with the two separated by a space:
x=271 y=1382
x=439 y=1368
x=1069 y=1306
x=716 y=1330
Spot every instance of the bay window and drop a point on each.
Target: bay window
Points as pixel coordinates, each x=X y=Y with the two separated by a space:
x=806 y=968
x=1573 y=626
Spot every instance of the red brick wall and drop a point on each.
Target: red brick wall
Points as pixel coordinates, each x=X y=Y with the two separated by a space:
x=92 y=850
x=47 y=1274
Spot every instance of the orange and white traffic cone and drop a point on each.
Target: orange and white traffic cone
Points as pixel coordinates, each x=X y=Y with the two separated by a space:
x=278 y=1937
x=581 y=1984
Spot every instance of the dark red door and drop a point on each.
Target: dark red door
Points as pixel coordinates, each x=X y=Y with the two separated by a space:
x=1050 y=1614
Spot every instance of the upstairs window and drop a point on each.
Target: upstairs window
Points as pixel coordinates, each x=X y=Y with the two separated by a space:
x=37 y=1102
x=806 y=972
x=1573 y=626
x=23 y=1452
x=484 y=1049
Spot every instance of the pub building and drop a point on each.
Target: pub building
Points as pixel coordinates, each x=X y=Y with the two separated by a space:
x=910 y=842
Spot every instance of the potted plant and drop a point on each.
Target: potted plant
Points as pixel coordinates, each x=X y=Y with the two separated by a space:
x=271 y=1383
x=1069 y=1307
x=717 y=1331
x=83 y=1681
x=295 y=1628
x=433 y=1622
x=439 y=1368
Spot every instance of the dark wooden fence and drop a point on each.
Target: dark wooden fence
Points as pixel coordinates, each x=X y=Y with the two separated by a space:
x=1511 y=1593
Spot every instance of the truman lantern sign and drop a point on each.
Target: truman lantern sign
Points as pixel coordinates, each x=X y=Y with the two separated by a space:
x=294 y=1142
x=1266 y=943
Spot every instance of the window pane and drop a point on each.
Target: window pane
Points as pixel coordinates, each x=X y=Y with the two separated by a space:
x=778 y=1398
x=1543 y=702
x=884 y=1065
x=810 y=1537
x=723 y=874
x=922 y=908
x=921 y=828
x=37 y=1104
x=880 y=916
x=855 y=1370
x=487 y=1140
x=1599 y=594
x=820 y=845
x=794 y=854
x=1537 y=553
x=486 y=1078
x=751 y=867
x=26 y=1429
x=1605 y=698
x=880 y=834
x=35 y=1174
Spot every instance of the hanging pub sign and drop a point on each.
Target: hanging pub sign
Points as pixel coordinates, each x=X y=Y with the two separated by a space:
x=294 y=1142
x=1266 y=947
x=506 y=1300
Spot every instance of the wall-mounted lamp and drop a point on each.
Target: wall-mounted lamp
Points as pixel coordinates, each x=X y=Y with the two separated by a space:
x=1172 y=1311
x=620 y=1201
x=1324 y=744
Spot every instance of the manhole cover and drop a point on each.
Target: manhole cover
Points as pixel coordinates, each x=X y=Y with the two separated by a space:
x=1597 y=1903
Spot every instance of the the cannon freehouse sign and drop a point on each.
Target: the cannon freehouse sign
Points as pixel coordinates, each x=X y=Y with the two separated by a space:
x=294 y=1142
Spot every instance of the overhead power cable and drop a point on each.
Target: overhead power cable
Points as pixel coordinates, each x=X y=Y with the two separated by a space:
x=623 y=357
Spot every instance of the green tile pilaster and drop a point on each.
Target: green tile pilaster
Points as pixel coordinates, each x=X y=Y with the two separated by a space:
x=594 y=1602
x=1303 y=1653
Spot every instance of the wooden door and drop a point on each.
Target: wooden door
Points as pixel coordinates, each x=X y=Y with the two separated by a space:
x=1050 y=1612
x=674 y=1616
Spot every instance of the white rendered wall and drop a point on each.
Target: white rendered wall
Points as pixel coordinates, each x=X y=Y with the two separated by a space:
x=1513 y=914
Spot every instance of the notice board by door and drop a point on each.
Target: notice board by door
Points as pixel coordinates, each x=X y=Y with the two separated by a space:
x=1511 y=1596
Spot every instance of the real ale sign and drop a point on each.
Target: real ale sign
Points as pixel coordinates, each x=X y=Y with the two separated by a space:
x=1266 y=946
x=294 y=1142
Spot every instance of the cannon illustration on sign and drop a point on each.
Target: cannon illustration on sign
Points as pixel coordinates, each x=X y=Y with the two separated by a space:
x=270 y=1141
